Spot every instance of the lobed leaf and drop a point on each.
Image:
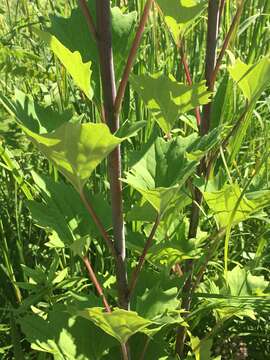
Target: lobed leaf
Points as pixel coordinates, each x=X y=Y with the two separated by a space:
x=167 y=99
x=76 y=149
x=223 y=202
x=66 y=31
x=63 y=336
x=162 y=167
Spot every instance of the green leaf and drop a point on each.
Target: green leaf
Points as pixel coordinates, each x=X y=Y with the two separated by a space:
x=144 y=211
x=180 y=14
x=167 y=99
x=161 y=168
x=157 y=346
x=60 y=276
x=223 y=103
x=160 y=171
x=80 y=246
x=80 y=72
x=225 y=305
x=223 y=203
x=76 y=149
x=123 y=26
x=201 y=349
x=129 y=129
x=252 y=79
x=202 y=144
x=35 y=117
x=120 y=324
x=156 y=302
x=242 y=283
x=168 y=253
x=64 y=336
x=66 y=31
x=62 y=213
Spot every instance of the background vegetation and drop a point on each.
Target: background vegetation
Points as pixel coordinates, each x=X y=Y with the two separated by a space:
x=59 y=276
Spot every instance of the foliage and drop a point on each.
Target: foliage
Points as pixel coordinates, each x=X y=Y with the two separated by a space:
x=185 y=170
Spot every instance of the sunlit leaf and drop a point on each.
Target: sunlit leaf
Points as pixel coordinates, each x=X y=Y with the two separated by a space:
x=76 y=149
x=201 y=349
x=252 y=79
x=223 y=202
x=167 y=99
x=80 y=72
x=120 y=324
x=242 y=283
x=180 y=14
x=160 y=171
x=66 y=31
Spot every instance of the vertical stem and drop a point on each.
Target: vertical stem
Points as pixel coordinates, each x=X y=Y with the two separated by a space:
x=131 y=57
x=189 y=81
x=225 y=44
x=88 y=18
x=104 y=37
x=210 y=61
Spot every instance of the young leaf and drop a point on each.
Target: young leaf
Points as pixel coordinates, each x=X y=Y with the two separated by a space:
x=80 y=72
x=76 y=149
x=180 y=14
x=167 y=99
x=120 y=324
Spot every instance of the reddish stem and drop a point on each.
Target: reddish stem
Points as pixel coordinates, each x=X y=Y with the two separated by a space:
x=98 y=223
x=221 y=9
x=131 y=57
x=225 y=45
x=189 y=81
x=137 y=270
x=97 y=285
x=88 y=18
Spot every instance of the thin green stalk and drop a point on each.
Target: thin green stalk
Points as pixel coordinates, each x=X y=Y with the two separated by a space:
x=8 y=264
x=233 y=213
